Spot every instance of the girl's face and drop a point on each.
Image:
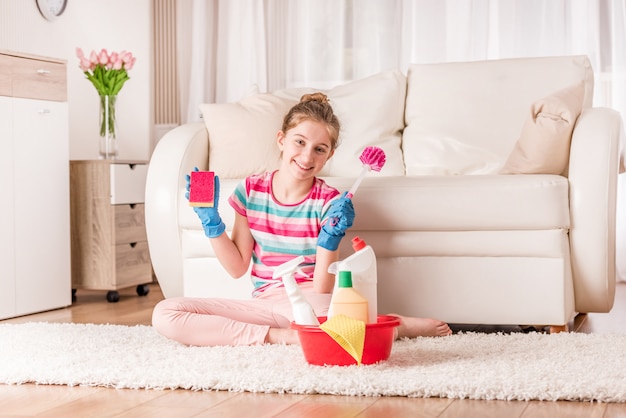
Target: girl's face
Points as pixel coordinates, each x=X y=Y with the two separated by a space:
x=305 y=149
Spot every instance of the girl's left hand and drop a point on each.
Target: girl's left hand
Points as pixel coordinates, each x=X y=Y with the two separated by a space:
x=340 y=217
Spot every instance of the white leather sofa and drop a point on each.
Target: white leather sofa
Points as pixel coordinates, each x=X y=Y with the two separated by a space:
x=455 y=238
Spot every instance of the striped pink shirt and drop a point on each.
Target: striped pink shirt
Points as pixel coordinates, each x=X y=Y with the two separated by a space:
x=281 y=232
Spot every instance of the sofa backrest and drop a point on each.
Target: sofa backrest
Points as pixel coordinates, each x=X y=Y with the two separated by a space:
x=439 y=119
x=465 y=118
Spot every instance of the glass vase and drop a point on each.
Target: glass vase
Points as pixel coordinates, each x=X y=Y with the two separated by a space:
x=108 y=128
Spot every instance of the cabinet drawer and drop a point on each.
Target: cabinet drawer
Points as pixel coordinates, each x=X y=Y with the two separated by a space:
x=33 y=78
x=132 y=264
x=130 y=225
x=128 y=183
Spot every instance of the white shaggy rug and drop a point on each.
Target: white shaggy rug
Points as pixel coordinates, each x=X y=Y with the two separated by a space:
x=566 y=366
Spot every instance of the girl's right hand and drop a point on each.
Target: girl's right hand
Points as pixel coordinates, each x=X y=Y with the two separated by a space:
x=210 y=217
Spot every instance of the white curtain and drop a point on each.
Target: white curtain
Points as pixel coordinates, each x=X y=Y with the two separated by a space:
x=231 y=48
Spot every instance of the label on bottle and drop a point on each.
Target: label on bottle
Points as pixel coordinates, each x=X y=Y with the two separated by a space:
x=347 y=301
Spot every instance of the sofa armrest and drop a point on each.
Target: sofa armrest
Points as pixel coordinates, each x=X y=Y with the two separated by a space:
x=174 y=156
x=593 y=174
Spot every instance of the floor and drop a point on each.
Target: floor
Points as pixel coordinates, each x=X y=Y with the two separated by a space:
x=91 y=307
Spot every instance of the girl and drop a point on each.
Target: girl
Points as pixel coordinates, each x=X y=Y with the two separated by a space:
x=279 y=215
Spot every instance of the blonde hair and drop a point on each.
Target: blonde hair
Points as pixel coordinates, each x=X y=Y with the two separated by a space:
x=315 y=107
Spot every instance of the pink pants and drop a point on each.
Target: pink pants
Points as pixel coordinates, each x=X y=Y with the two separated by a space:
x=210 y=322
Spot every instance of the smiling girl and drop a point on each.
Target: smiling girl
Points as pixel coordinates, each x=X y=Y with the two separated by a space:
x=279 y=215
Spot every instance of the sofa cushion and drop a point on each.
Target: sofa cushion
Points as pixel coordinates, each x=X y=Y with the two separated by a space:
x=242 y=136
x=543 y=147
x=460 y=203
x=371 y=113
x=465 y=117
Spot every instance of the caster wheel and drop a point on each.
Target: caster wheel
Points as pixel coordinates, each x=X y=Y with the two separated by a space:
x=113 y=296
x=73 y=295
x=143 y=289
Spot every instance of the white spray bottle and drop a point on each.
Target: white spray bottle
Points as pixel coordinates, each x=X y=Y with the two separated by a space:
x=303 y=313
x=362 y=264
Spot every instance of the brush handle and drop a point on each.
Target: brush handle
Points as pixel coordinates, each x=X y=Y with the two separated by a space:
x=358 y=181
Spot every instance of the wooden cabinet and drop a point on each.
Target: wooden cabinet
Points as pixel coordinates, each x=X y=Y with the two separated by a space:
x=109 y=245
x=34 y=180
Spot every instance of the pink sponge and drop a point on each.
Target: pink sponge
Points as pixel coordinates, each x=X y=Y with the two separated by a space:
x=202 y=189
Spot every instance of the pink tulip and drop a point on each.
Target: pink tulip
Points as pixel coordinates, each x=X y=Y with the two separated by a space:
x=113 y=58
x=93 y=58
x=117 y=65
x=126 y=56
x=85 y=64
x=103 y=57
x=130 y=65
x=79 y=53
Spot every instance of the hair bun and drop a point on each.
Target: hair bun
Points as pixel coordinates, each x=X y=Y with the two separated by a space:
x=314 y=97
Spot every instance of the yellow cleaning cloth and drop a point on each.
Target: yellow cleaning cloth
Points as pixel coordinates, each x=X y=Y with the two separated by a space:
x=349 y=334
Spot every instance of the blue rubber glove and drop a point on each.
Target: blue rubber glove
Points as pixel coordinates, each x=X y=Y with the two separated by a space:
x=210 y=218
x=340 y=218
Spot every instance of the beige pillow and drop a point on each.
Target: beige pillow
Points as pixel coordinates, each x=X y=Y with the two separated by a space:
x=543 y=146
x=242 y=136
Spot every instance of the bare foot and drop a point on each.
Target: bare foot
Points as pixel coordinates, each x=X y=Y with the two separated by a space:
x=282 y=336
x=411 y=327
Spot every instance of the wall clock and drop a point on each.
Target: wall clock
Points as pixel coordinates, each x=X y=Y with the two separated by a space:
x=51 y=9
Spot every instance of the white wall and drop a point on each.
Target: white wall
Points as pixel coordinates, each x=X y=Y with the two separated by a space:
x=92 y=24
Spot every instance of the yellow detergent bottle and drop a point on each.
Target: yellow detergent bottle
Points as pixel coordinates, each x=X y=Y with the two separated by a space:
x=347 y=301
x=362 y=265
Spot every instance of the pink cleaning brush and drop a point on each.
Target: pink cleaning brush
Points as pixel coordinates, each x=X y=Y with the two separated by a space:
x=373 y=158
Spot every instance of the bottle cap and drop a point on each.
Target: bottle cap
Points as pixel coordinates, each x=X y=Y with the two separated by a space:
x=345 y=279
x=358 y=244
